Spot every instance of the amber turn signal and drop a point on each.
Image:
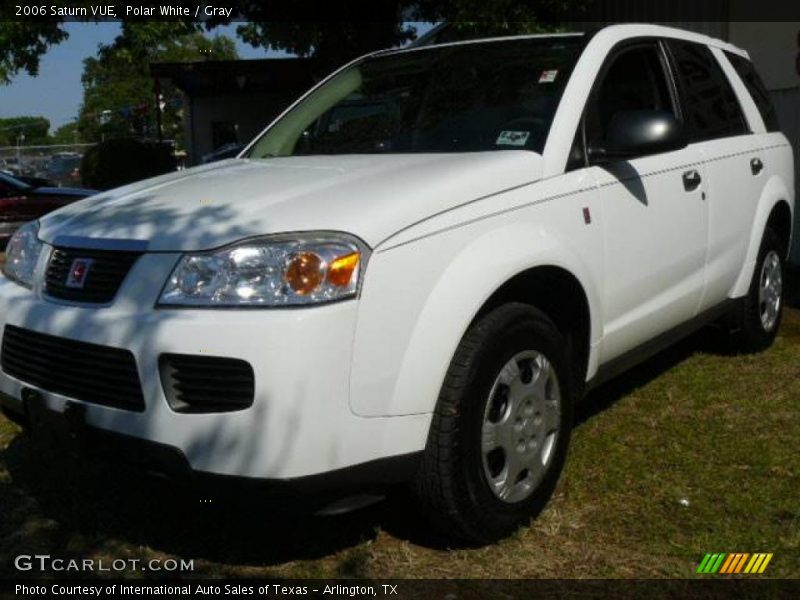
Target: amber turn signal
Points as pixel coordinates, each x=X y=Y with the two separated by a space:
x=341 y=270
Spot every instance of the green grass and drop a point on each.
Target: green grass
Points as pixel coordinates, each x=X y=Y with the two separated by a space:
x=693 y=425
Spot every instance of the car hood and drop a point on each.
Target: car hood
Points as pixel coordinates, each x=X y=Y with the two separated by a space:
x=371 y=196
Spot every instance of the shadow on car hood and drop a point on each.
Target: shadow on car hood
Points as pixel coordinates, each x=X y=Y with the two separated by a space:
x=371 y=196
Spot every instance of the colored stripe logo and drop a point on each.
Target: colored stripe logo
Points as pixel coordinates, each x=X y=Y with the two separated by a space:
x=730 y=564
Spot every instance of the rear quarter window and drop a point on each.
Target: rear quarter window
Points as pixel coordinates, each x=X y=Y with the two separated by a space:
x=749 y=76
x=710 y=105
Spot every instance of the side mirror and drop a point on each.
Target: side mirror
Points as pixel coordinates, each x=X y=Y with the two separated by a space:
x=634 y=133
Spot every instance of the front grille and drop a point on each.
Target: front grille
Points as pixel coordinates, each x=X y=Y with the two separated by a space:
x=105 y=274
x=87 y=372
x=206 y=383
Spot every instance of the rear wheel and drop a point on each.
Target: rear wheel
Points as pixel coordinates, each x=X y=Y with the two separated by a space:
x=760 y=316
x=501 y=430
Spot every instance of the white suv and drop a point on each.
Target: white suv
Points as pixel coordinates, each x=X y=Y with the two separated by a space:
x=415 y=272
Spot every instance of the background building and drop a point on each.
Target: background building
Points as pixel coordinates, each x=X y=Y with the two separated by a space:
x=230 y=102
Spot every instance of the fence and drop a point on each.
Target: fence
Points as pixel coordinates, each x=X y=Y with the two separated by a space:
x=56 y=164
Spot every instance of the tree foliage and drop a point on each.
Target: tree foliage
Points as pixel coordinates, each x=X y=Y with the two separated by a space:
x=34 y=130
x=335 y=42
x=477 y=18
x=67 y=134
x=331 y=40
x=23 y=43
x=119 y=97
x=332 y=43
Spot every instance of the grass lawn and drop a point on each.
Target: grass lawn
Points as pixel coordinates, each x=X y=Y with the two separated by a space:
x=693 y=452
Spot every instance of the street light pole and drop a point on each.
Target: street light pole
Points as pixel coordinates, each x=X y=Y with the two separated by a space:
x=20 y=140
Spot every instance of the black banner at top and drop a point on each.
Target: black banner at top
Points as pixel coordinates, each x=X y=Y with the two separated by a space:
x=216 y=11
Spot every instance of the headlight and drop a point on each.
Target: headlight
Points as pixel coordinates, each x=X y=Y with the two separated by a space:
x=276 y=271
x=22 y=254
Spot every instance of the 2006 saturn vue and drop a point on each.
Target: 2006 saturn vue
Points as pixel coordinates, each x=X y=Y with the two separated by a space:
x=415 y=272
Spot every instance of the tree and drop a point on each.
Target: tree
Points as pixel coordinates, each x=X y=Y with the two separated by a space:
x=33 y=128
x=23 y=43
x=331 y=41
x=476 y=18
x=118 y=89
x=335 y=42
x=67 y=134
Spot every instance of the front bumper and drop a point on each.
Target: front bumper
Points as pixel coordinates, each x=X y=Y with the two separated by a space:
x=68 y=432
x=300 y=423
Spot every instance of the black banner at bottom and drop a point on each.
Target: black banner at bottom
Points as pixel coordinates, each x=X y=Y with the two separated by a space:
x=444 y=589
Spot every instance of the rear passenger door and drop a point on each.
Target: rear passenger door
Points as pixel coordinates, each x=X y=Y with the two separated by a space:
x=654 y=213
x=732 y=158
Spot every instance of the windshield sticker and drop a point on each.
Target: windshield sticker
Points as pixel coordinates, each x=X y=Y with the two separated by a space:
x=548 y=76
x=513 y=138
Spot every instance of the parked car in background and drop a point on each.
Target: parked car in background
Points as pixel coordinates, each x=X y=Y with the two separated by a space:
x=64 y=169
x=33 y=180
x=21 y=202
x=15 y=167
x=420 y=289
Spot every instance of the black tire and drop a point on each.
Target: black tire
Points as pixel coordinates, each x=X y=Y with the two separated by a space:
x=452 y=485
x=750 y=334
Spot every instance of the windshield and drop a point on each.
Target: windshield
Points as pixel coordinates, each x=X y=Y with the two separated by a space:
x=499 y=95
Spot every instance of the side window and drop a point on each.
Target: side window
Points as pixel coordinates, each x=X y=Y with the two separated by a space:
x=757 y=90
x=635 y=80
x=711 y=108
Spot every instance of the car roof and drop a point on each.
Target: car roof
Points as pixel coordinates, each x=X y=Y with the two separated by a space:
x=622 y=31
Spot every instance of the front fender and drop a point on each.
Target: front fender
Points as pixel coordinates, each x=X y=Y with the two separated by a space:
x=409 y=326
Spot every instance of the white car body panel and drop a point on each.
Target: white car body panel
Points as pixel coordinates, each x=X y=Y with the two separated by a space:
x=403 y=346
x=654 y=247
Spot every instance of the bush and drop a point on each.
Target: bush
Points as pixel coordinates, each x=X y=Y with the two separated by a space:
x=119 y=161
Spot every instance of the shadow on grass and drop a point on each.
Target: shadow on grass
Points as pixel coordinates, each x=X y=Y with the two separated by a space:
x=55 y=504
x=79 y=506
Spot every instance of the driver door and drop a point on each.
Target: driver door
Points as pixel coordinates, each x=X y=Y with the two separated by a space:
x=654 y=211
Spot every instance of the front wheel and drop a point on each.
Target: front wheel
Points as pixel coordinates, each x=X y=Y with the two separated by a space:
x=760 y=316
x=501 y=429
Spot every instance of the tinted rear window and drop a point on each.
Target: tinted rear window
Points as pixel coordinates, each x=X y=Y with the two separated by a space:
x=711 y=108
x=757 y=90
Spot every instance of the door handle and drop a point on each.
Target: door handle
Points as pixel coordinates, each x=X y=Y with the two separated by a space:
x=756 y=165
x=691 y=179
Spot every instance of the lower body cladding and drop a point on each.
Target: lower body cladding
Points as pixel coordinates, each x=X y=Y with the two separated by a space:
x=299 y=426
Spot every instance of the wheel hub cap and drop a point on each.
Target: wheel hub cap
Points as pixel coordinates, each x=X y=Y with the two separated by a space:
x=770 y=291
x=520 y=426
